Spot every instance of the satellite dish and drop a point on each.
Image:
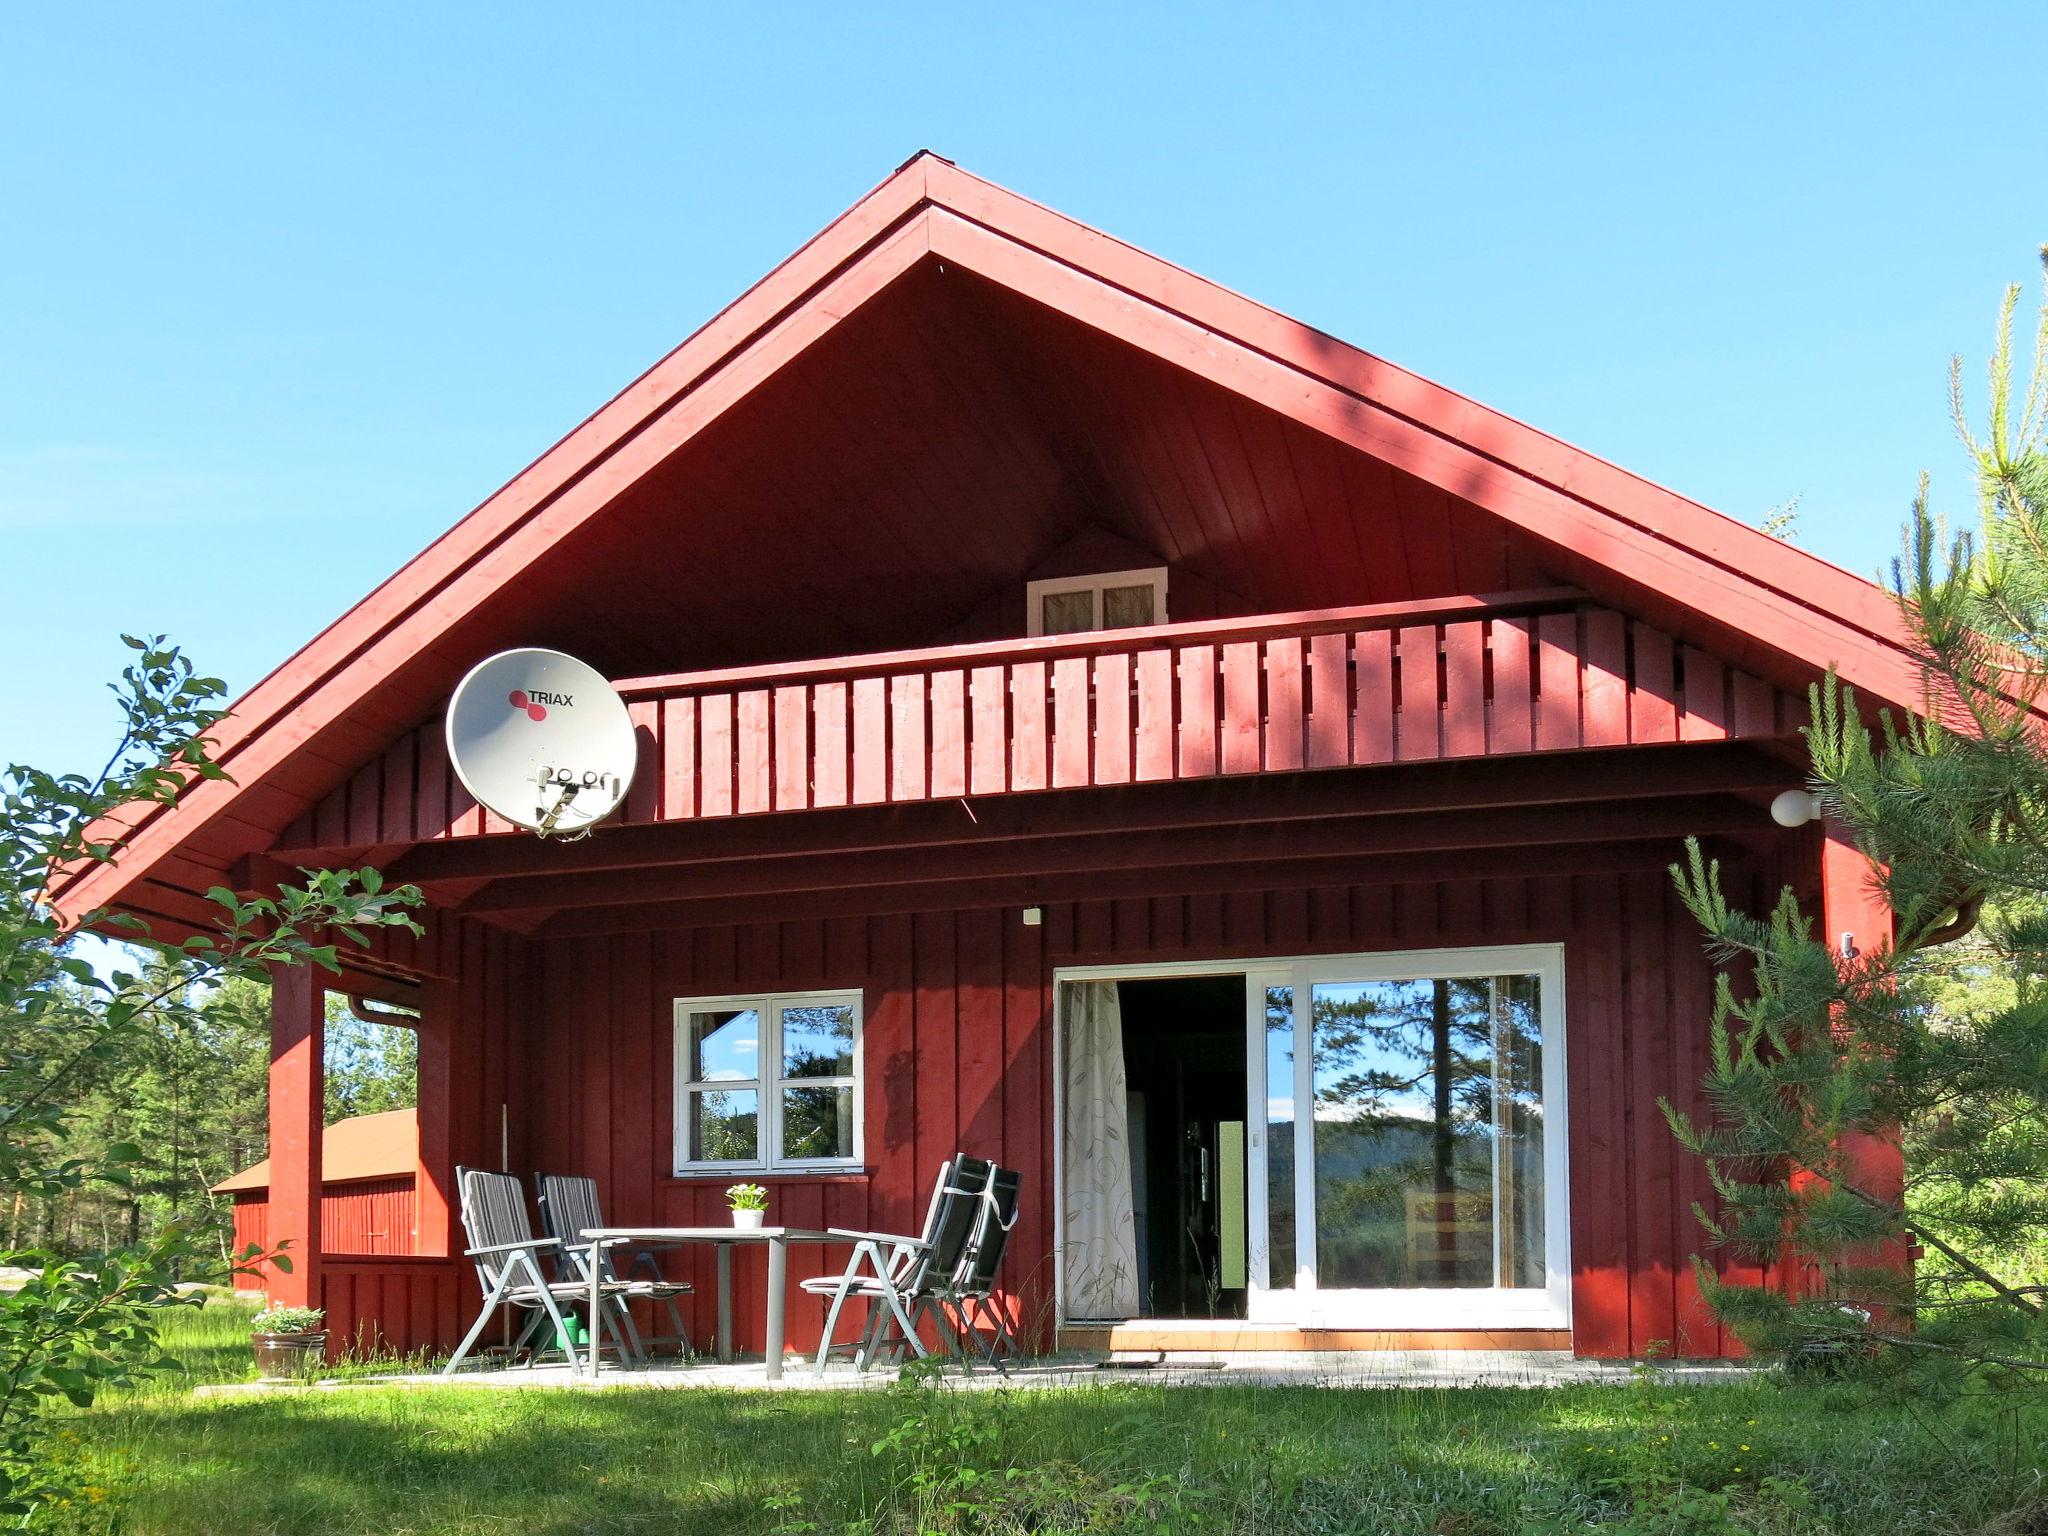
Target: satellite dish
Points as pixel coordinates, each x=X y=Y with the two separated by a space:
x=543 y=740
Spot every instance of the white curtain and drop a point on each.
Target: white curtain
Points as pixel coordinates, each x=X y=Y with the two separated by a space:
x=1100 y=1243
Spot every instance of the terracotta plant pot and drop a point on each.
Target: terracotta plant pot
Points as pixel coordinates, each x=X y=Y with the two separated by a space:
x=289 y=1356
x=748 y=1218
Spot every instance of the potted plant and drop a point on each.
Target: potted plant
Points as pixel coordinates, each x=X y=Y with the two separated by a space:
x=289 y=1342
x=749 y=1204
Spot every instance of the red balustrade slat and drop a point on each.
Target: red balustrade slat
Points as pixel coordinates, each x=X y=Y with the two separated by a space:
x=1027 y=726
x=1706 y=697
x=1418 y=733
x=792 y=748
x=1372 y=733
x=1755 y=706
x=1510 y=721
x=1155 y=746
x=870 y=740
x=1557 y=680
x=753 y=791
x=1329 y=709
x=1112 y=676
x=830 y=757
x=1239 y=743
x=1070 y=730
x=907 y=761
x=678 y=759
x=715 y=755
x=1604 y=679
x=1285 y=721
x=643 y=797
x=1197 y=691
x=1465 y=689
x=949 y=733
x=1653 y=695
x=989 y=734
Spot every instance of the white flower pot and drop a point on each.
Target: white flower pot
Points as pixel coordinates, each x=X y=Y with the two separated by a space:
x=748 y=1218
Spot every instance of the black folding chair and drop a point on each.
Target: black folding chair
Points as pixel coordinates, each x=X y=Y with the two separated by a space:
x=569 y=1208
x=508 y=1268
x=896 y=1276
x=973 y=1287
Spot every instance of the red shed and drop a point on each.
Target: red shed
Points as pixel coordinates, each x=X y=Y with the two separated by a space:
x=368 y=1163
x=1090 y=720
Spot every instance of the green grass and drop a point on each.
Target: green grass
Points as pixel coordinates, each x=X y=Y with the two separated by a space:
x=1757 y=1456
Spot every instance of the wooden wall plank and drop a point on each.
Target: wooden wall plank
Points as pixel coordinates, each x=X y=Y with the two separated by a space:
x=989 y=736
x=1028 y=743
x=908 y=749
x=1557 y=680
x=1511 y=718
x=1156 y=743
x=792 y=748
x=870 y=741
x=1419 y=733
x=753 y=790
x=1329 y=720
x=949 y=733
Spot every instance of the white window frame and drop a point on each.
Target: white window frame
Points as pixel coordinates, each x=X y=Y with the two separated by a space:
x=768 y=1085
x=1302 y=1305
x=1036 y=591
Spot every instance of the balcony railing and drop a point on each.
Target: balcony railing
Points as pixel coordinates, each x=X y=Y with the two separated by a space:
x=1335 y=688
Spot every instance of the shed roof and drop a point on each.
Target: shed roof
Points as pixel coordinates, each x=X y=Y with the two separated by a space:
x=383 y=1146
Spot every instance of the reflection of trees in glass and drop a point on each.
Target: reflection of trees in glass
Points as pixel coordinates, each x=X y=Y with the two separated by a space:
x=728 y=1126
x=1411 y=1097
x=817 y=1040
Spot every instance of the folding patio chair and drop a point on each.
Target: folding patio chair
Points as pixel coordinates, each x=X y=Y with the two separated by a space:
x=895 y=1275
x=568 y=1208
x=508 y=1268
x=973 y=1286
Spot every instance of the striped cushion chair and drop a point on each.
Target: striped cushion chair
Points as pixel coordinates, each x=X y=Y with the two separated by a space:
x=568 y=1209
x=508 y=1267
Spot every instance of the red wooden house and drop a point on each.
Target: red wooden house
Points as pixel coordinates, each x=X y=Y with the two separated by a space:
x=368 y=1175
x=1090 y=720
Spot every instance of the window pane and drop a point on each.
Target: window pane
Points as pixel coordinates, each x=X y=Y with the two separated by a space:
x=1518 y=1123
x=1280 y=1138
x=1126 y=607
x=1404 y=1133
x=1065 y=613
x=725 y=1045
x=817 y=1122
x=725 y=1125
x=817 y=1040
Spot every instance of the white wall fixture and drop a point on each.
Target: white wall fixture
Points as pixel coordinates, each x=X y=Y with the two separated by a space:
x=1794 y=808
x=543 y=740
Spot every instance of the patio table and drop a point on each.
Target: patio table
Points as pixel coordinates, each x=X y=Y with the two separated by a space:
x=725 y=1239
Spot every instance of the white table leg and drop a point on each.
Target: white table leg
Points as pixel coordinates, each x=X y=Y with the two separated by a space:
x=778 y=1287
x=595 y=1250
x=724 y=1302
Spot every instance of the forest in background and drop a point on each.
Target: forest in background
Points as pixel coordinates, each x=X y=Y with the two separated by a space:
x=193 y=1097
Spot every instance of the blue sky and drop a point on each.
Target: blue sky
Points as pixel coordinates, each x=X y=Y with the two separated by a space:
x=284 y=291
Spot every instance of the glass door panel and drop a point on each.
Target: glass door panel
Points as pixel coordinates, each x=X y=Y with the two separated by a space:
x=1427 y=1134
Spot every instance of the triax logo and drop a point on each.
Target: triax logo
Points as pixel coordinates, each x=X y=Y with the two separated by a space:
x=535 y=702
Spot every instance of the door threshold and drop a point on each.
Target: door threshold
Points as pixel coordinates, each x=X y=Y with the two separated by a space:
x=1180 y=1336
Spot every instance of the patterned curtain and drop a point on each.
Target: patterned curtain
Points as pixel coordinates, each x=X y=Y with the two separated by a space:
x=1100 y=1254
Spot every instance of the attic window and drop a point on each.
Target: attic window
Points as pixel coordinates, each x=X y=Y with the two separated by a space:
x=1066 y=605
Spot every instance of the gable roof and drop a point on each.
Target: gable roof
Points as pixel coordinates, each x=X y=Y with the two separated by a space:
x=389 y=661
x=382 y=1146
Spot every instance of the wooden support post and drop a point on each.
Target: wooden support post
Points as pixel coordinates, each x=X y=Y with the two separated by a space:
x=298 y=1004
x=1856 y=920
x=434 y=1177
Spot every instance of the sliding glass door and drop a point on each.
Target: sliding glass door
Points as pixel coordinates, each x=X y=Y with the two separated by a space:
x=1408 y=1151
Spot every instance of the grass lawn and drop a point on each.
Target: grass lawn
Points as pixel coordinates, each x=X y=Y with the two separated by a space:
x=1753 y=1457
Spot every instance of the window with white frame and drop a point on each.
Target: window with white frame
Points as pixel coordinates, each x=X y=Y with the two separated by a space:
x=768 y=1082
x=1067 y=605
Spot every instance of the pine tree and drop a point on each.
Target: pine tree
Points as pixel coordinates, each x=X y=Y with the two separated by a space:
x=1939 y=1042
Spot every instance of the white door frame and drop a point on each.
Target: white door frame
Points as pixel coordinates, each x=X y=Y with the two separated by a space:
x=1303 y=1305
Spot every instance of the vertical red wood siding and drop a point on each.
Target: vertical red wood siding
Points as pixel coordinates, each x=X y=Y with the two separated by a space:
x=958 y=1054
